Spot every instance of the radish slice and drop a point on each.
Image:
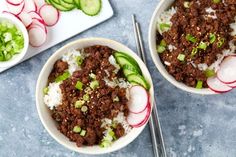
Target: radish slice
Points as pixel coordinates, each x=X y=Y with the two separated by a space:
x=138 y=99
x=217 y=86
x=14 y=2
x=137 y=120
x=25 y=18
x=35 y=15
x=15 y=9
x=49 y=14
x=227 y=71
x=30 y=6
x=39 y=23
x=7 y=12
x=37 y=36
x=233 y=85
x=39 y=3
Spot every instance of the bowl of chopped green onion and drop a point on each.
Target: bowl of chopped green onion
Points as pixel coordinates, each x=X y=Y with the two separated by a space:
x=14 y=40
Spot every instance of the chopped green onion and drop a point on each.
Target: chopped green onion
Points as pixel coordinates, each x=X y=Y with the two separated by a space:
x=114 y=124
x=194 y=51
x=84 y=108
x=112 y=134
x=191 y=38
x=181 y=57
x=164 y=26
x=160 y=49
x=186 y=4
x=94 y=84
x=209 y=73
x=79 y=85
x=79 y=60
x=86 y=97
x=45 y=90
x=77 y=129
x=163 y=43
x=92 y=76
x=83 y=132
x=62 y=77
x=199 y=84
x=202 y=45
x=212 y=38
x=220 y=42
x=79 y=103
x=105 y=144
x=216 y=1
x=116 y=99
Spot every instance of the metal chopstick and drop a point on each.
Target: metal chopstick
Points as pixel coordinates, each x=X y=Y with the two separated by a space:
x=154 y=122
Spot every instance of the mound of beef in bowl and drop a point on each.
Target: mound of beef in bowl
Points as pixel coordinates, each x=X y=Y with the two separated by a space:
x=94 y=96
x=193 y=44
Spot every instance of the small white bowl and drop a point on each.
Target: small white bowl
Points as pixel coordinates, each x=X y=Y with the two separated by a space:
x=18 y=57
x=45 y=114
x=162 y=6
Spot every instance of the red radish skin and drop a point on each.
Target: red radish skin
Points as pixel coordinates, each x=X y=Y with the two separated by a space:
x=135 y=120
x=138 y=99
x=30 y=6
x=217 y=86
x=15 y=9
x=35 y=15
x=145 y=119
x=6 y=12
x=39 y=23
x=227 y=72
x=37 y=36
x=232 y=85
x=15 y=2
x=49 y=14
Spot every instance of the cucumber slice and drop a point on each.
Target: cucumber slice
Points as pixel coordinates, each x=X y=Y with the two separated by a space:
x=69 y=1
x=59 y=6
x=77 y=3
x=127 y=69
x=91 y=7
x=67 y=5
x=138 y=79
x=117 y=54
x=122 y=60
x=48 y=1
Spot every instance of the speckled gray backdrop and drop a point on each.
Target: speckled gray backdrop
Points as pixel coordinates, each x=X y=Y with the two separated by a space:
x=193 y=125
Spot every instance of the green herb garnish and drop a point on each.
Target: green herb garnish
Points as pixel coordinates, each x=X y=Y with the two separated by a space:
x=202 y=45
x=181 y=57
x=216 y=1
x=164 y=26
x=209 y=73
x=94 y=84
x=83 y=132
x=62 y=77
x=79 y=85
x=199 y=84
x=194 y=51
x=77 y=129
x=212 y=38
x=220 y=42
x=79 y=103
x=79 y=60
x=45 y=90
x=191 y=38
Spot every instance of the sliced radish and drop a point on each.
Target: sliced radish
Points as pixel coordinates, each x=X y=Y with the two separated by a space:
x=35 y=15
x=227 y=71
x=138 y=99
x=217 y=86
x=39 y=23
x=39 y=3
x=233 y=85
x=49 y=14
x=30 y=6
x=7 y=12
x=25 y=18
x=15 y=2
x=37 y=36
x=15 y=9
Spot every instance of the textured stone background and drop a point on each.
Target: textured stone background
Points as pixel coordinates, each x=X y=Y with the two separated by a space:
x=193 y=125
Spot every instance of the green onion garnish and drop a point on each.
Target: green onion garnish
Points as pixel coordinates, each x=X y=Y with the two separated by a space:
x=77 y=129
x=79 y=85
x=105 y=144
x=164 y=26
x=216 y=1
x=199 y=84
x=94 y=84
x=45 y=90
x=83 y=132
x=220 y=42
x=163 y=43
x=202 y=45
x=212 y=38
x=79 y=60
x=181 y=57
x=86 y=97
x=194 y=51
x=92 y=76
x=84 y=108
x=191 y=38
x=62 y=77
x=160 y=49
x=79 y=103
x=186 y=4
x=209 y=73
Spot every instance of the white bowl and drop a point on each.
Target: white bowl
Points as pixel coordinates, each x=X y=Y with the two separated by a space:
x=18 y=57
x=162 y=6
x=45 y=114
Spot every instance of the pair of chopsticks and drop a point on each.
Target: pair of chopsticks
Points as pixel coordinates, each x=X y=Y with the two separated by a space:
x=154 y=122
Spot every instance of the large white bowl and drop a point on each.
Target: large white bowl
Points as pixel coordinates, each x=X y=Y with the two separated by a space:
x=18 y=57
x=162 y=6
x=45 y=114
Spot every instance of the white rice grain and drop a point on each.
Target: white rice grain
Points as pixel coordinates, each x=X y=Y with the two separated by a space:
x=53 y=98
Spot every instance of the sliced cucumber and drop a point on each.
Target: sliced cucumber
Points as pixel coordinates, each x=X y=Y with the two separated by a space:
x=48 y=1
x=127 y=69
x=138 y=79
x=69 y=1
x=117 y=54
x=77 y=3
x=134 y=83
x=67 y=5
x=122 y=60
x=91 y=7
x=60 y=6
x=55 y=1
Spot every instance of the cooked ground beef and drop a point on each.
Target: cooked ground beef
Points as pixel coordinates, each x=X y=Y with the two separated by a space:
x=100 y=104
x=193 y=21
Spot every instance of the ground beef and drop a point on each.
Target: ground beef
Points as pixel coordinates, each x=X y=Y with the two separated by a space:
x=58 y=69
x=193 y=21
x=100 y=104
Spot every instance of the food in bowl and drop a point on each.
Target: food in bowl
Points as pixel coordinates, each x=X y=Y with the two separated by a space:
x=97 y=95
x=11 y=40
x=194 y=38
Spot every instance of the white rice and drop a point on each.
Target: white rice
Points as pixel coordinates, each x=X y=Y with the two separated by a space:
x=70 y=58
x=113 y=62
x=117 y=82
x=122 y=120
x=171 y=48
x=233 y=26
x=53 y=98
x=165 y=17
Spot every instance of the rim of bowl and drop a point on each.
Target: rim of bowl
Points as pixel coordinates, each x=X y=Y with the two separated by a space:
x=18 y=57
x=58 y=54
x=156 y=59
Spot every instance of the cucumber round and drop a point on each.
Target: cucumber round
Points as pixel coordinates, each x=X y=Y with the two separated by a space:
x=77 y=3
x=118 y=54
x=91 y=7
x=127 y=69
x=138 y=79
x=69 y=1
x=67 y=5
x=122 y=60
x=58 y=6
